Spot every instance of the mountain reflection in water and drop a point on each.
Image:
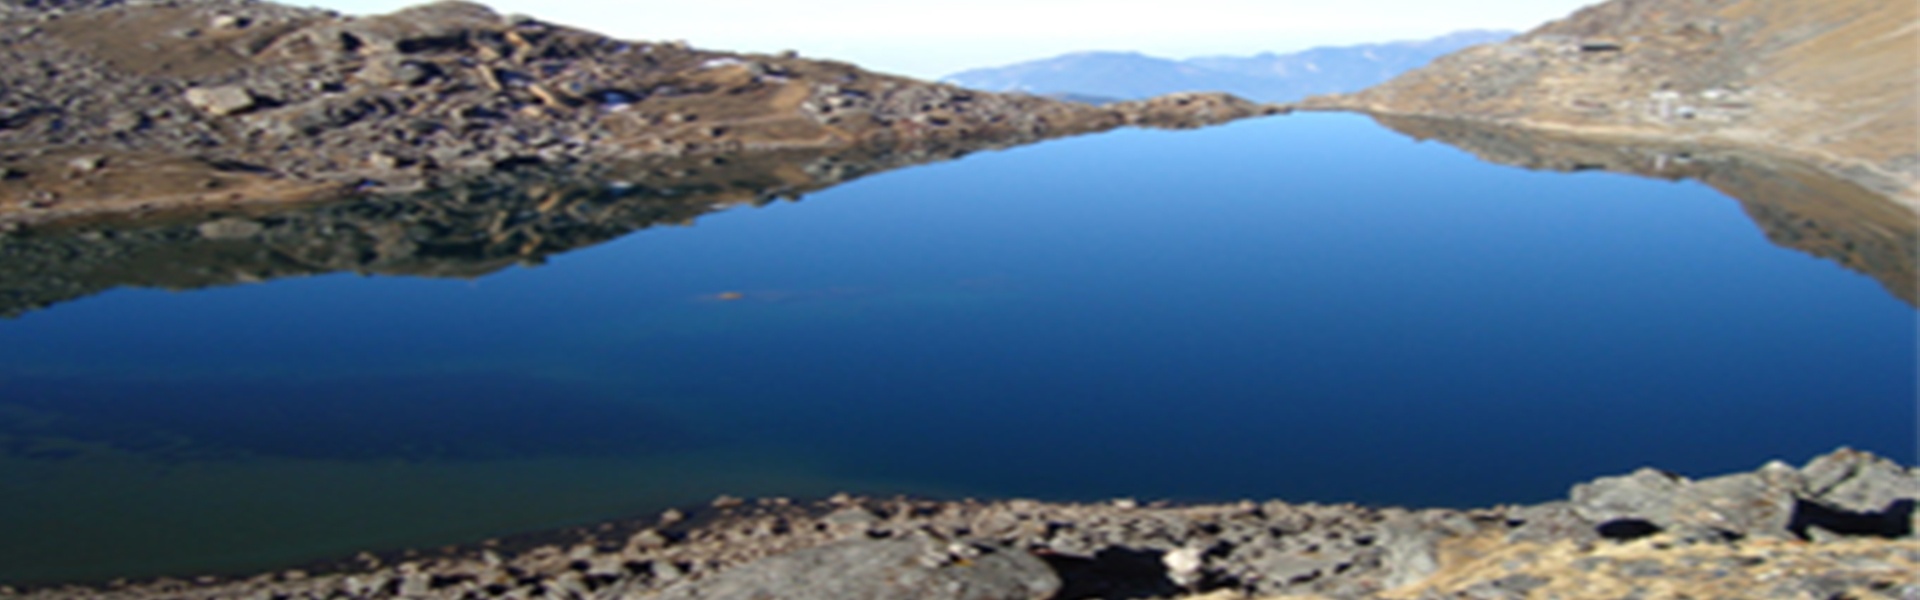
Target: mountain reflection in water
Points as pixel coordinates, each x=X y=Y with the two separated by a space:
x=476 y=227
x=1797 y=205
x=521 y=217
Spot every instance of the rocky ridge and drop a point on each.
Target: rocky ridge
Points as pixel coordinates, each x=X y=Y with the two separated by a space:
x=125 y=107
x=1842 y=525
x=1828 y=82
x=1267 y=77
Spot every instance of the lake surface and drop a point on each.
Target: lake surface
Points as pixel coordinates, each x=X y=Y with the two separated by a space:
x=1310 y=308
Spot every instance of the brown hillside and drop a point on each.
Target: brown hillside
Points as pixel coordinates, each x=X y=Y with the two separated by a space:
x=109 y=107
x=1830 y=81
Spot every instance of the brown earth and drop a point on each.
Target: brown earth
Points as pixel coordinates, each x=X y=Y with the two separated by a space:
x=109 y=107
x=1830 y=83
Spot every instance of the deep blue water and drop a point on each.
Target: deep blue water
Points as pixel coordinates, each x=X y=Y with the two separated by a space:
x=1308 y=308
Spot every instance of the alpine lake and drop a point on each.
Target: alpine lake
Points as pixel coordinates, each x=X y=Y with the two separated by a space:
x=1313 y=308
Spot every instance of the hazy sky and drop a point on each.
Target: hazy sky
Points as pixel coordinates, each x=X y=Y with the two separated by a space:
x=931 y=39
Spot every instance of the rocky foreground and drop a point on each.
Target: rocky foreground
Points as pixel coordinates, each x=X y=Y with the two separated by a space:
x=1842 y=526
x=1830 y=82
x=130 y=107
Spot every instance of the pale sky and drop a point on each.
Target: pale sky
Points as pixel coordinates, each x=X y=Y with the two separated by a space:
x=932 y=39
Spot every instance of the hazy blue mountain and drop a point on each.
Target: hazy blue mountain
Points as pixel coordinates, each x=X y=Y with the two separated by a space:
x=1268 y=77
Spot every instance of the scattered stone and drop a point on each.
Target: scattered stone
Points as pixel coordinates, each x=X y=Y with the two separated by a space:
x=230 y=22
x=221 y=101
x=126 y=122
x=383 y=161
x=1183 y=566
x=230 y=229
x=394 y=71
x=87 y=164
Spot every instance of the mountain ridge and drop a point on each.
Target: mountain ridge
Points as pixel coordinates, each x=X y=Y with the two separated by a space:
x=1268 y=76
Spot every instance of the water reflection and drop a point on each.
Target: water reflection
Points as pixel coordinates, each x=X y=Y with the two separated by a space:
x=480 y=226
x=1797 y=205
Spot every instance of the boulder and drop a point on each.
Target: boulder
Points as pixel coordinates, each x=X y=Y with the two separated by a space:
x=393 y=71
x=421 y=28
x=1858 y=481
x=920 y=567
x=1846 y=492
x=221 y=101
x=1648 y=501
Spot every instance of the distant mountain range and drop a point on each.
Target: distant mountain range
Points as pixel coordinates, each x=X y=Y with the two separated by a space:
x=1269 y=77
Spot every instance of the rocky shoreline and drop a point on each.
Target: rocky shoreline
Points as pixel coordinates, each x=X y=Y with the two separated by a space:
x=132 y=107
x=1842 y=526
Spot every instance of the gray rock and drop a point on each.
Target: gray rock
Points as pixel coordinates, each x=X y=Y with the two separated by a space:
x=915 y=567
x=392 y=71
x=87 y=164
x=1860 y=482
x=229 y=229
x=222 y=100
x=1635 y=504
x=1512 y=587
x=128 y=122
x=1846 y=492
x=424 y=27
x=1411 y=550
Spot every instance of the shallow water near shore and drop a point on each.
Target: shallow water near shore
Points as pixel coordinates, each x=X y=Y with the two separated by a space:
x=1309 y=308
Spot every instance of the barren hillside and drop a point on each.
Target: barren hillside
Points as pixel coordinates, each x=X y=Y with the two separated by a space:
x=1829 y=81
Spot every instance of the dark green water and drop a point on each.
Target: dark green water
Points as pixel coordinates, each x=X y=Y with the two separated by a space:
x=1310 y=308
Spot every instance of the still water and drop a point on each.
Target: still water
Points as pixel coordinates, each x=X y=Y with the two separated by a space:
x=1310 y=308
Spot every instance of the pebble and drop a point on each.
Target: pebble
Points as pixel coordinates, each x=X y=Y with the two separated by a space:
x=87 y=164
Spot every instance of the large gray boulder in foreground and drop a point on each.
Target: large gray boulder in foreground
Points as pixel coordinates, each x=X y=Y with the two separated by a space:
x=916 y=566
x=1844 y=493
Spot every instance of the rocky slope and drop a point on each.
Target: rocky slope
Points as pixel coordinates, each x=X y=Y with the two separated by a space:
x=1266 y=77
x=1832 y=82
x=117 y=107
x=1842 y=526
